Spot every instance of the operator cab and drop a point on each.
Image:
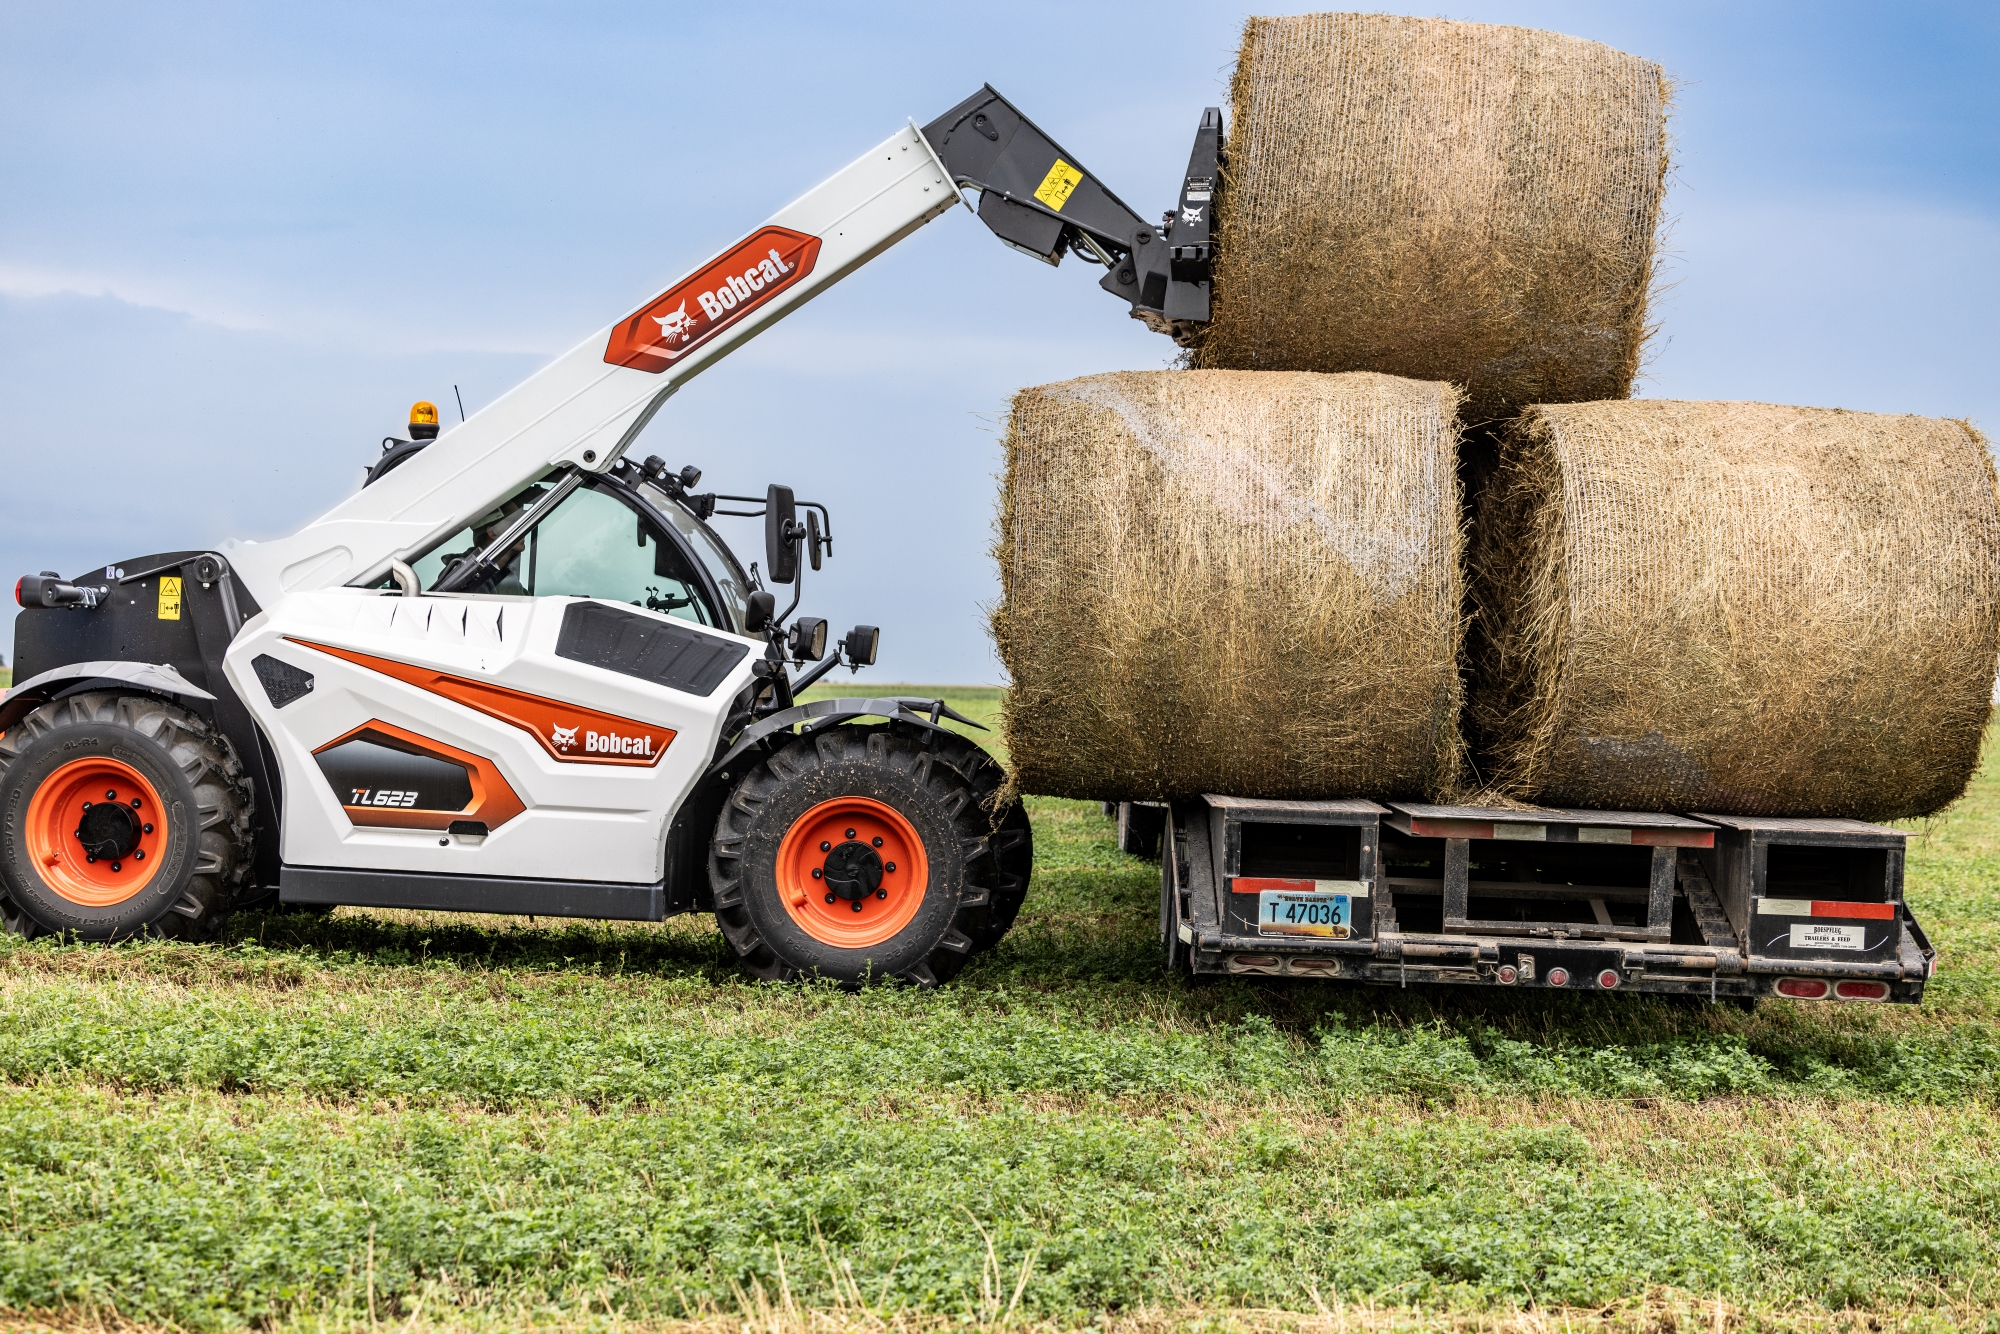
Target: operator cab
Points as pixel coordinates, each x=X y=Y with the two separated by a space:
x=637 y=534
x=616 y=536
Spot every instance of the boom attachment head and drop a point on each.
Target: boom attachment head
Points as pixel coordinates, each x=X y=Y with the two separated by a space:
x=1037 y=199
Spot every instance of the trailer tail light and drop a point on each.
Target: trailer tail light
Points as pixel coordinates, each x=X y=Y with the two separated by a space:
x=1558 y=977
x=1508 y=974
x=1802 y=988
x=1608 y=979
x=1862 y=990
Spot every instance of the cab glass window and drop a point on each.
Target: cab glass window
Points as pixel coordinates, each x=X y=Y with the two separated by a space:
x=722 y=566
x=591 y=545
x=431 y=566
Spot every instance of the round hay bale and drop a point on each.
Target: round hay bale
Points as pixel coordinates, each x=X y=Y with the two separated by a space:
x=1442 y=200
x=1233 y=582
x=1736 y=607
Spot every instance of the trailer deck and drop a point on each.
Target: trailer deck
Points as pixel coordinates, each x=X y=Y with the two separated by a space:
x=1708 y=906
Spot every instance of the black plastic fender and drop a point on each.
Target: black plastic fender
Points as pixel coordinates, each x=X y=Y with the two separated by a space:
x=37 y=690
x=824 y=713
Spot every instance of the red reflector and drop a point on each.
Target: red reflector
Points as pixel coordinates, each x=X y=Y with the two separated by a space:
x=1508 y=974
x=1802 y=988
x=1257 y=884
x=1862 y=990
x=1607 y=979
x=17 y=591
x=1842 y=908
x=1558 y=977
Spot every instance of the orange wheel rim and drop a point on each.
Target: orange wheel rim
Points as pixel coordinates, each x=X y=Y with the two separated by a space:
x=852 y=872
x=91 y=807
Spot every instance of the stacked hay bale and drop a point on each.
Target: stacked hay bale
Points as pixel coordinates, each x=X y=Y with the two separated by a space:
x=1737 y=607
x=1231 y=582
x=1244 y=578
x=1440 y=200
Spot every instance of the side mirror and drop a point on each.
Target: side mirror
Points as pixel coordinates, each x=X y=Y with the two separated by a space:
x=781 y=543
x=861 y=643
x=758 y=609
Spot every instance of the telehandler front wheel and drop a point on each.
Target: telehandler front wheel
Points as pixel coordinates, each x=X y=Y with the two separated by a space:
x=855 y=855
x=1010 y=837
x=120 y=815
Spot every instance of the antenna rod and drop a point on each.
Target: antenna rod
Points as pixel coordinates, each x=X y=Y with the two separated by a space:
x=461 y=402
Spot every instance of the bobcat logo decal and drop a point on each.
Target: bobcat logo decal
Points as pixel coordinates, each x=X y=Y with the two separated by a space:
x=677 y=325
x=563 y=737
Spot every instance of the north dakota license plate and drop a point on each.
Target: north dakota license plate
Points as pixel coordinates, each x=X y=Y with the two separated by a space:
x=1283 y=913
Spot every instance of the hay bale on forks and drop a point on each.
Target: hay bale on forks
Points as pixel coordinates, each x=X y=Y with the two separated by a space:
x=1441 y=200
x=1229 y=581
x=1736 y=607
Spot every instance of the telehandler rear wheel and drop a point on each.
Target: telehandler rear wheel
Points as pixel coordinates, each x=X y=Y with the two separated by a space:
x=855 y=855
x=120 y=815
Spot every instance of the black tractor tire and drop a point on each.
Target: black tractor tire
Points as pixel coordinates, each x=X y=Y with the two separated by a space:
x=200 y=849
x=1010 y=836
x=791 y=795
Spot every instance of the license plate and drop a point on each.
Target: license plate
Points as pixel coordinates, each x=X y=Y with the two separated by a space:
x=1328 y=916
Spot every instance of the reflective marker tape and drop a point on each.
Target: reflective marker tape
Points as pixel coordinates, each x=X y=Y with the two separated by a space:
x=1257 y=884
x=1823 y=908
x=1635 y=835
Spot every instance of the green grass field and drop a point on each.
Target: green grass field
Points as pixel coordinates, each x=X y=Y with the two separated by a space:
x=398 y=1119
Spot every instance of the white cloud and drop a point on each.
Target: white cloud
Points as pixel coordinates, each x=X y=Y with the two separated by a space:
x=19 y=279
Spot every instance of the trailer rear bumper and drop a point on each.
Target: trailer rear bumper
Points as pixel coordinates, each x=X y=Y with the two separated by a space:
x=1371 y=909
x=1518 y=964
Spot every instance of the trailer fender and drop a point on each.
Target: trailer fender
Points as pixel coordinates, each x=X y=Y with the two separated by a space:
x=153 y=678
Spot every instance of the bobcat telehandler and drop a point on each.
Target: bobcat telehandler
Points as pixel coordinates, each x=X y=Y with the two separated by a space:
x=517 y=672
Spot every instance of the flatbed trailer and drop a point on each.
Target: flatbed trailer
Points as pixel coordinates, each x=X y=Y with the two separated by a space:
x=1706 y=906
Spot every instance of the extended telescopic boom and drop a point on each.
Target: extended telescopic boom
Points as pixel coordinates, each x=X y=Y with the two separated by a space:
x=584 y=409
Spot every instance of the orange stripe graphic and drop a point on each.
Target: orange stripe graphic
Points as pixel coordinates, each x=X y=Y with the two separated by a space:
x=568 y=732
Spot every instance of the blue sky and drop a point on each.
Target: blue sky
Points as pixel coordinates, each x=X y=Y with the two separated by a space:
x=237 y=241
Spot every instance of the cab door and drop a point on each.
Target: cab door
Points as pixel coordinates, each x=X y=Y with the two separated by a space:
x=544 y=722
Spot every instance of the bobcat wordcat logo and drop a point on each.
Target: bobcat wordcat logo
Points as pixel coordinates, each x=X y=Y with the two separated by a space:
x=642 y=746
x=610 y=743
x=749 y=274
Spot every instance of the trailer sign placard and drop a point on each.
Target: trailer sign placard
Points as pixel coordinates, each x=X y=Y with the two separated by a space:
x=1828 y=936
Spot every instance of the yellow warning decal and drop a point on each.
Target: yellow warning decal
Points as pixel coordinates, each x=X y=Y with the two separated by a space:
x=170 y=598
x=1056 y=186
